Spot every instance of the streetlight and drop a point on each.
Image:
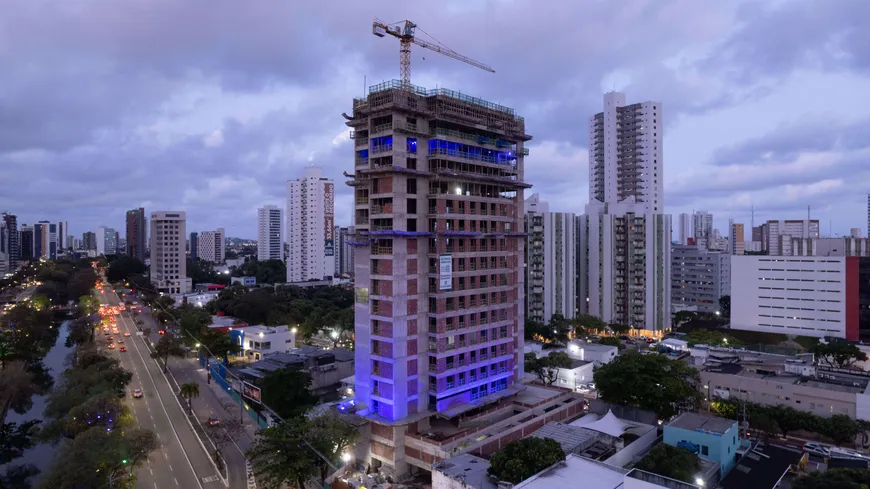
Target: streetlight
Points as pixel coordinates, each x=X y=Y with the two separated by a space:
x=345 y=457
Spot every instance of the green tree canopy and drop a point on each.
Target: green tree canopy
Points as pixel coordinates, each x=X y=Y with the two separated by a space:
x=612 y=341
x=547 y=368
x=287 y=392
x=122 y=267
x=203 y=271
x=725 y=306
x=669 y=461
x=523 y=458
x=838 y=354
x=652 y=382
x=834 y=479
x=168 y=345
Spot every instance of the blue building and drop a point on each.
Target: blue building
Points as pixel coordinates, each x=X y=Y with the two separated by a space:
x=710 y=438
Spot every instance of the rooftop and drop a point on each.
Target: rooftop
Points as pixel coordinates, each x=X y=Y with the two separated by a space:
x=467 y=468
x=572 y=438
x=701 y=422
x=761 y=467
x=575 y=472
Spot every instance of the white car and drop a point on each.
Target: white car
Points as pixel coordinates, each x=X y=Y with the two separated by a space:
x=846 y=453
x=817 y=449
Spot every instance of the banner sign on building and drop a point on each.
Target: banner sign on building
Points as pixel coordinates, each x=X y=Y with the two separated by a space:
x=252 y=392
x=329 y=218
x=446 y=272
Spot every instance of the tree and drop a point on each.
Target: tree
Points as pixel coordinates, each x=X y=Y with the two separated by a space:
x=833 y=479
x=189 y=390
x=652 y=382
x=523 y=458
x=18 y=388
x=670 y=461
x=202 y=271
x=168 y=345
x=98 y=456
x=15 y=439
x=547 y=368
x=618 y=328
x=81 y=283
x=589 y=322
x=280 y=456
x=122 y=267
x=725 y=307
x=18 y=476
x=766 y=424
x=287 y=392
x=225 y=433
x=839 y=354
x=711 y=337
x=681 y=317
x=331 y=436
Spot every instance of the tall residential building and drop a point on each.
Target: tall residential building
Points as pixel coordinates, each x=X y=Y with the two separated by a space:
x=687 y=228
x=63 y=243
x=778 y=234
x=551 y=261
x=855 y=232
x=310 y=227
x=168 y=258
x=211 y=246
x=89 y=240
x=703 y=224
x=625 y=239
x=10 y=243
x=699 y=277
x=45 y=240
x=27 y=242
x=343 y=251
x=137 y=231
x=270 y=233
x=106 y=241
x=735 y=238
x=625 y=161
x=438 y=188
x=193 y=246
x=868 y=214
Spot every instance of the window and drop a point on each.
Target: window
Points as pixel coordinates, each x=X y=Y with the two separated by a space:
x=705 y=450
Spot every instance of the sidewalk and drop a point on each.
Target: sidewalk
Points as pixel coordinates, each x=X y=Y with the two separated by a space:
x=228 y=404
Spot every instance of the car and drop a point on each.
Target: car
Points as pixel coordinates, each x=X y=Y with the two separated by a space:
x=213 y=421
x=845 y=453
x=817 y=449
x=120 y=340
x=106 y=332
x=123 y=348
x=161 y=332
x=624 y=337
x=111 y=339
x=111 y=346
x=126 y=333
x=137 y=392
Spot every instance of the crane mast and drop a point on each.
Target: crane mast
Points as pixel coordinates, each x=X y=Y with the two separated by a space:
x=406 y=36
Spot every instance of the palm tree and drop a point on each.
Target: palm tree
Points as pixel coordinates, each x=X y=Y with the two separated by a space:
x=189 y=390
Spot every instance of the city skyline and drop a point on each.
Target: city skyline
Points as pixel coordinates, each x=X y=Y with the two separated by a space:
x=249 y=122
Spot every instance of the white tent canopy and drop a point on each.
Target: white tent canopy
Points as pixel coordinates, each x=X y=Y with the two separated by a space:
x=609 y=424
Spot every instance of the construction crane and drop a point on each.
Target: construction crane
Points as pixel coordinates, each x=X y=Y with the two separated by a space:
x=405 y=34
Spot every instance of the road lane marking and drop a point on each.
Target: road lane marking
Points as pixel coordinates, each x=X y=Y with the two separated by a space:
x=150 y=470
x=176 y=481
x=165 y=456
x=155 y=485
x=170 y=468
x=160 y=398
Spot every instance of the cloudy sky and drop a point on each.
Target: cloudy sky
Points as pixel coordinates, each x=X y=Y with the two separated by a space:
x=209 y=106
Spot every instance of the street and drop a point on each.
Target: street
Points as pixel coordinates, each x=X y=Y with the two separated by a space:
x=212 y=401
x=181 y=460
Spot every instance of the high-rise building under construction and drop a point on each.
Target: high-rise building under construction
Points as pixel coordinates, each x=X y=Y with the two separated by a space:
x=438 y=252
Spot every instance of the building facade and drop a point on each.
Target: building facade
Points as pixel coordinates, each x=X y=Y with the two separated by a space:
x=10 y=244
x=687 y=229
x=311 y=227
x=735 y=238
x=168 y=258
x=63 y=243
x=807 y=296
x=343 y=251
x=703 y=224
x=27 y=235
x=106 y=244
x=438 y=184
x=699 y=277
x=778 y=235
x=45 y=240
x=193 y=245
x=270 y=233
x=211 y=246
x=136 y=233
x=551 y=261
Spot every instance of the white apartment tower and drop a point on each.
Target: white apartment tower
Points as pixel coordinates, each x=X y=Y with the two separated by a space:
x=168 y=243
x=687 y=228
x=211 y=246
x=551 y=263
x=625 y=238
x=703 y=223
x=270 y=233
x=310 y=227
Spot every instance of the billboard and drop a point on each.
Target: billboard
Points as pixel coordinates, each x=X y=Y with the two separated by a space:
x=329 y=218
x=252 y=392
x=445 y=272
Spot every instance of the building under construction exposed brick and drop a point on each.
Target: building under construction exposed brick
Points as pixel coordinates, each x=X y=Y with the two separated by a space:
x=438 y=238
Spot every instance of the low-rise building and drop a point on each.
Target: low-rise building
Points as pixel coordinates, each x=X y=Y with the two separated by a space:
x=708 y=437
x=327 y=368
x=197 y=299
x=782 y=380
x=259 y=341
x=596 y=353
